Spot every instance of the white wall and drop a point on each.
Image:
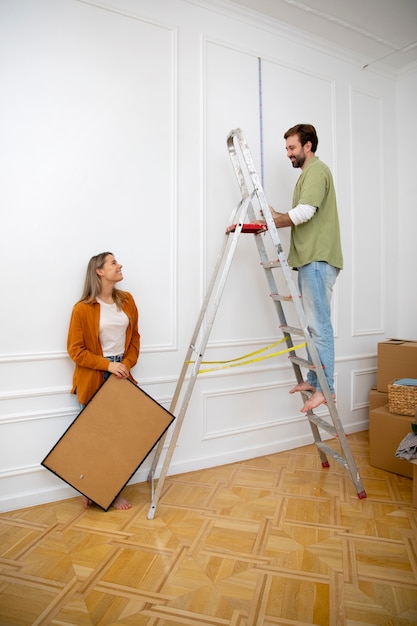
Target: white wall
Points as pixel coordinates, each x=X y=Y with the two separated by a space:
x=114 y=117
x=407 y=213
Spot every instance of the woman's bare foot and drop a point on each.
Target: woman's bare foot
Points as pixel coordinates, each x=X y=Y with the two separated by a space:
x=121 y=504
x=304 y=386
x=86 y=502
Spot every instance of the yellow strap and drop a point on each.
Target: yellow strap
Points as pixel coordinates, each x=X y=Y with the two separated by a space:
x=237 y=362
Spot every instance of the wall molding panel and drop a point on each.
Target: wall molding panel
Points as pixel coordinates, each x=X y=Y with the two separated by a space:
x=366 y=113
x=362 y=381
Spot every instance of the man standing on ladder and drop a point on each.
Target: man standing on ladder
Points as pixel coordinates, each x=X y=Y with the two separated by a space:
x=315 y=249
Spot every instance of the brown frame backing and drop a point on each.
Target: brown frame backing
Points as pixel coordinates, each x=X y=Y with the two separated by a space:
x=108 y=441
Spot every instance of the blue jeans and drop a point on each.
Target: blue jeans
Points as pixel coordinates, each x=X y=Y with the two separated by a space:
x=315 y=282
x=117 y=359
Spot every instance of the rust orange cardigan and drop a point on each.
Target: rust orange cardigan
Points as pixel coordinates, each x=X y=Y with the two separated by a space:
x=84 y=347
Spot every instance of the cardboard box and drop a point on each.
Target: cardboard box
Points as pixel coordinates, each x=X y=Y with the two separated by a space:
x=397 y=358
x=377 y=398
x=386 y=431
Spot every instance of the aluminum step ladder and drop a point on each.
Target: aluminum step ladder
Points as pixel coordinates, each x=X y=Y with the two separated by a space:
x=243 y=220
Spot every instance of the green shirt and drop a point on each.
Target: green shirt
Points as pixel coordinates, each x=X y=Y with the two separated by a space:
x=319 y=238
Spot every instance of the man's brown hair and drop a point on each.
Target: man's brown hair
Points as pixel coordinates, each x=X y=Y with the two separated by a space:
x=305 y=132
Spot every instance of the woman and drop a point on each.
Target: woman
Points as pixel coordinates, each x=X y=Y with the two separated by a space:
x=103 y=336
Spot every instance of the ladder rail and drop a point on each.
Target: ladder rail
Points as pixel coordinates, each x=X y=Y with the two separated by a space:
x=235 y=215
x=205 y=321
x=237 y=136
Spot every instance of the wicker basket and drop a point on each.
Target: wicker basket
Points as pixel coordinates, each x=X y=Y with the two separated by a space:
x=402 y=399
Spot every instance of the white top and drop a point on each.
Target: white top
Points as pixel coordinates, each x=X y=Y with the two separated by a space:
x=301 y=213
x=112 y=329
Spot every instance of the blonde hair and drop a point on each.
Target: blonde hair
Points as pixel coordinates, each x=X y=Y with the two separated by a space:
x=92 y=283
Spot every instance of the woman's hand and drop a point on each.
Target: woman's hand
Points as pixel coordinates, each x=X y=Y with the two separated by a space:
x=118 y=369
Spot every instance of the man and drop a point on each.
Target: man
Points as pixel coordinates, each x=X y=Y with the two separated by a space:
x=315 y=249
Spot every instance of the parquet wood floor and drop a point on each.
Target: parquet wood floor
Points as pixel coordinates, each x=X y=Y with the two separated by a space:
x=272 y=541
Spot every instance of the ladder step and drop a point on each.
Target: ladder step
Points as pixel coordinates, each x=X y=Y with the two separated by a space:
x=279 y=297
x=321 y=423
x=330 y=452
x=292 y=330
x=302 y=362
x=251 y=227
x=271 y=264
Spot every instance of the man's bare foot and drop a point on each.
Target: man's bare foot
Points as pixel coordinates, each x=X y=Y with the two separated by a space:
x=304 y=386
x=121 y=504
x=316 y=399
x=86 y=502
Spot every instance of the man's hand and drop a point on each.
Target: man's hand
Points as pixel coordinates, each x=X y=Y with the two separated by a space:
x=280 y=219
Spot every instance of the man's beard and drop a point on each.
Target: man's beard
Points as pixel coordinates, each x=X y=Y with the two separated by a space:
x=298 y=161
